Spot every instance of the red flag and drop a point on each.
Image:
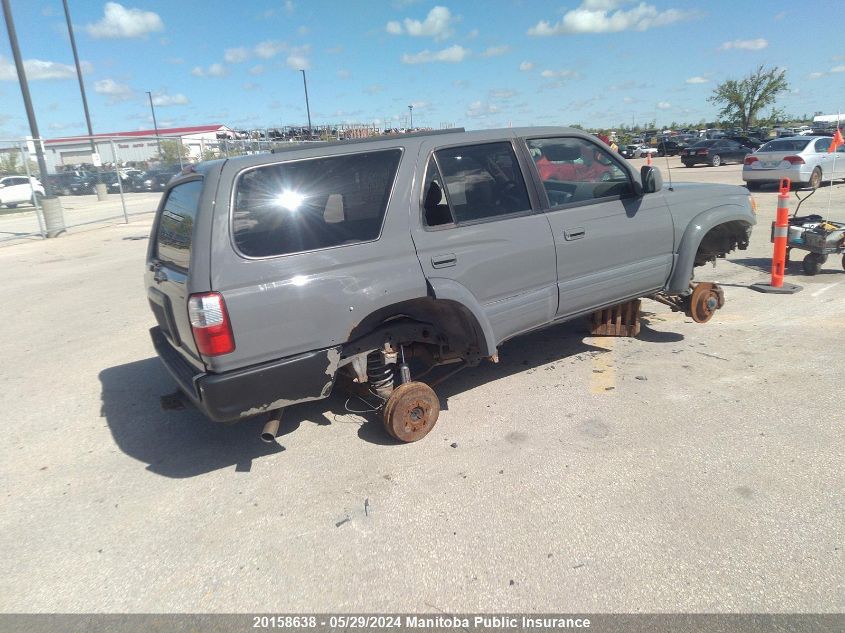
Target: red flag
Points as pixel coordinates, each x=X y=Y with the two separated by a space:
x=836 y=142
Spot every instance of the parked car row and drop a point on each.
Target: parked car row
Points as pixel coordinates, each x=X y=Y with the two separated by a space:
x=131 y=180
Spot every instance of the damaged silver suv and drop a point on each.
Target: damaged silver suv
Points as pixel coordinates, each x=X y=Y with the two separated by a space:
x=366 y=264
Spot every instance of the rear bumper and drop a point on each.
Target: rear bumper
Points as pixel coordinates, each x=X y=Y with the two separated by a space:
x=242 y=393
x=775 y=175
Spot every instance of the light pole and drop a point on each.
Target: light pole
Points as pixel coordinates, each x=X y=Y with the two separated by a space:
x=411 y=110
x=155 y=125
x=101 y=190
x=307 y=107
x=52 y=207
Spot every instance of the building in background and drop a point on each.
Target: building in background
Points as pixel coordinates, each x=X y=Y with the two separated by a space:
x=139 y=146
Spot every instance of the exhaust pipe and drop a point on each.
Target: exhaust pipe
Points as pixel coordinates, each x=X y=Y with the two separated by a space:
x=271 y=428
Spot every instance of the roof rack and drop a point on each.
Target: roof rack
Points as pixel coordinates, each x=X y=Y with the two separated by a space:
x=369 y=139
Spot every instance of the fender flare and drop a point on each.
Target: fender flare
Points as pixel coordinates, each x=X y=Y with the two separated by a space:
x=451 y=290
x=696 y=229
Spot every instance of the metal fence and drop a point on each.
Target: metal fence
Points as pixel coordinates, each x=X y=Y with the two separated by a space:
x=100 y=179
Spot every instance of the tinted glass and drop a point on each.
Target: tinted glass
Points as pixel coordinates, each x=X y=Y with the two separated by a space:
x=176 y=224
x=575 y=170
x=436 y=211
x=310 y=204
x=482 y=181
x=705 y=144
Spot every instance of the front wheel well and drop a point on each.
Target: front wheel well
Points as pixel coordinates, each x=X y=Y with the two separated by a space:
x=721 y=240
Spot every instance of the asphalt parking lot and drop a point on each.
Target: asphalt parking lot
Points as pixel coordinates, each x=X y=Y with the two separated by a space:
x=697 y=468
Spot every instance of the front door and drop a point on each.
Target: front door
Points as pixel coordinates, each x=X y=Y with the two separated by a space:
x=477 y=228
x=611 y=244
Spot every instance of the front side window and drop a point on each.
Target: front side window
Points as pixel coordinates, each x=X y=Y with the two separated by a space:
x=176 y=224
x=311 y=204
x=575 y=170
x=482 y=181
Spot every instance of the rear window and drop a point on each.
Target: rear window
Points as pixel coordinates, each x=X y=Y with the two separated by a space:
x=785 y=145
x=176 y=224
x=311 y=204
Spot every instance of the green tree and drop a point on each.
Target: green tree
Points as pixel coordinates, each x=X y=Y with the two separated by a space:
x=742 y=99
x=9 y=162
x=172 y=151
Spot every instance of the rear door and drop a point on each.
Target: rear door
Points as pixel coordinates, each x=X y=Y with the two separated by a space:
x=611 y=245
x=477 y=228
x=170 y=264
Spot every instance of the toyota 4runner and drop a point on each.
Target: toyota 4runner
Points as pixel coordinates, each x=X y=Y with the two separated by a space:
x=371 y=262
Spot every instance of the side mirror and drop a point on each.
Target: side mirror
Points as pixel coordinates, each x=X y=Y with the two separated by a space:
x=651 y=179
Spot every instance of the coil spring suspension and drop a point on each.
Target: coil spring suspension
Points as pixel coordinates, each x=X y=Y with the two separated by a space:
x=380 y=375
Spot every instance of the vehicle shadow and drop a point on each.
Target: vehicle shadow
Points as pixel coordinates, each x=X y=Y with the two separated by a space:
x=174 y=443
x=793 y=266
x=518 y=355
x=151 y=423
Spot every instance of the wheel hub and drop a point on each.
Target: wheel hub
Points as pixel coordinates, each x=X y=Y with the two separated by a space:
x=706 y=298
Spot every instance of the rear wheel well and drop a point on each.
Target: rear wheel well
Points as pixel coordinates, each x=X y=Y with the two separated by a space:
x=447 y=324
x=721 y=240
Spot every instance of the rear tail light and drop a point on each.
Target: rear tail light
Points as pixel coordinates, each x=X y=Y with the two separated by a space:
x=210 y=324
x=750 y=159
x=794 y=160
x=702 y=152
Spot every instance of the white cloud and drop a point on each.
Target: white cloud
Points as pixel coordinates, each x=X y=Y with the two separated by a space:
x=502 y=94
x=664 y=105
x=342 y=73
x=215 y=70
x=496 y=51
x=298 y=58
x=479 y=109
x=628 y=100
x=373 y=89
x=114 y=90
x=697 y=80
x=526 y=66
x=256 y=70
x=816 y=75
x=120 y=22
x=37 y=69
x=303 y=30
x=838 y=69
x=604 y=16
x=437 y=24
x=451 y=55
x=560 y=74
x=745 y=45
x=269 y=49
x=236 y=55
x=163 y=100
x=289 y=6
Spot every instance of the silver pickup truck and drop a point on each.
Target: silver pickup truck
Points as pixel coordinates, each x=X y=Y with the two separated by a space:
x=373 y=262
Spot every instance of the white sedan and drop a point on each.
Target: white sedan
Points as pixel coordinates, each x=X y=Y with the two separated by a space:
x=15 y=190
x=803 y=159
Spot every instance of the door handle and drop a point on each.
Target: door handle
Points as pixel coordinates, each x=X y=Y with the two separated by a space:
x=444 y=261
x=574 y=234
x=159 y=276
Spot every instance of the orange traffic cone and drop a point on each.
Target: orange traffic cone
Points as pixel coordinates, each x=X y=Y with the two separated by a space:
x=648 y=159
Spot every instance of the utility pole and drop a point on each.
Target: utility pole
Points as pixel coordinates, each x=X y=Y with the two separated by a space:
x=411 y=124
x=52 y=207
x=101 y=191
x=307 y=107
x=155 y=125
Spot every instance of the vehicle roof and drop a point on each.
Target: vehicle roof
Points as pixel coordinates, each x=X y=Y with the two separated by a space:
x=443 y=137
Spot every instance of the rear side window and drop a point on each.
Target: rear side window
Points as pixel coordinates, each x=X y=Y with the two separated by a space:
x=176 y=224
x=311 y=204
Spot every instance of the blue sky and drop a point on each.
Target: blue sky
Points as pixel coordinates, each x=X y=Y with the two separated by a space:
x=590 y=62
